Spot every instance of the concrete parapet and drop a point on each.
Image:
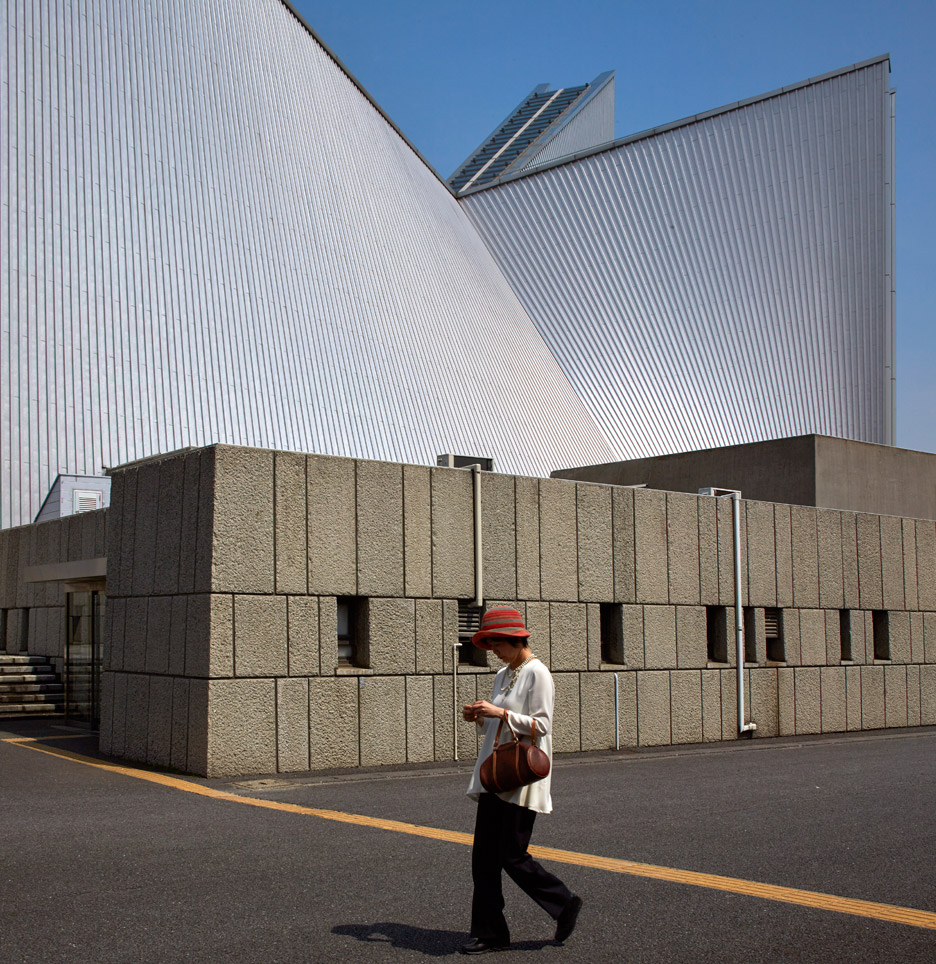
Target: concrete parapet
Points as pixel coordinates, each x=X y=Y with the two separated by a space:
x=892 y=563
x=528 y=538
x=708 y=552
x=260 y=638
x=682 y=540
x=831 y=559
x=686 y=706
x=761 y=554
x=783 y=534
x=499 y=535
x=558 y=540
x=833 y=699
x=379 y=529
x=650 y=546
x=926 y=564
x=654 y=710
x=805 y=557
x=417 y=531
x=197 y=524
x=595 y=543
x=622 y=514
x=291 y=524
x=911 y=592
x=452 y=534
x=171 y=482
x=870 y=585
x=145 y=530
x=850 y=561
x=333 y=722
x=332 y=518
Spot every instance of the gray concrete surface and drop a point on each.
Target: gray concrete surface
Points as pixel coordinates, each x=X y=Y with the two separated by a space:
x=101 y=867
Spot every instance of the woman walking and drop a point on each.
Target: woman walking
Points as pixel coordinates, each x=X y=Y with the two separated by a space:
x=522 y=697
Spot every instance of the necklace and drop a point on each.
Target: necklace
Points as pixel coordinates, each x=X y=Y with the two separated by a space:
x=515 y=673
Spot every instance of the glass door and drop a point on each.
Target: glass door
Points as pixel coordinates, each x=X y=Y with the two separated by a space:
x=84 y=617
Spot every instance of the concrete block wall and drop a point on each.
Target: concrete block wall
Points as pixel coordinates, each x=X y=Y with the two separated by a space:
x=226 y=567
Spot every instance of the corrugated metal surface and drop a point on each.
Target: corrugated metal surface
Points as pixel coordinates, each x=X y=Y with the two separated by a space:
x=209 y=234
x=726 y=280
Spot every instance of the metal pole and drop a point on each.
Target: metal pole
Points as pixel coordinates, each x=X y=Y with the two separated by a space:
x=455 y=648
x=478 y=559
x=739 y=615
x=617 y=716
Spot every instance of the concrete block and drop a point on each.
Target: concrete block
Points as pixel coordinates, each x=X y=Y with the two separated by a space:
x=711 y=705
x=169 y=525
x=593 y=632
x=119 y=716
x=134 y=642
x=420 y=742
x=808 y=700
x=761 y=554
x=627 y=715
x=833 y=635
x=203 y=572
x=895 y=695
x=137 y=718
x=292 y=725
x=383 y=720
x=870 y=585
x=328 y=635
x=537 y=622
x=892 y=563
x=72 y=537
x=302 y=635
x=332 y=536
x=107 y=713
x=928 y=695
x=197 y=754
x=260 y=640
x=624 y=548
x=872 y=697
x=917 y=652
x=908 y=527
x=243 y=543
x=786 y=701
x=595 y=543
x=209 y=635
x=853 y=697
x=379 y=529
x=650 y=546
x=653 y=708
x=391 y=636
x=929 y=637
x=632 y=631
x=831 y=560
x=159 y=727
x=913 y=696
x=468 y=733
x=452 y=534
x=112 y=548
x=812 y=638
x=659 y=637
x=764 y=699
x=145 y=530
x=428 y=616
x=686 y=701
x=725 y=529
x=528 y=538
x=190 y=545
x=558 y=540
x=833 y=698
x=290 y=523
x=805 y=556
x=567 y=715
x=241 y=727
x=178 y=748
x=729 y=702
x=178 y=622
x=898 y=625
x=333 y=722
x=850 y=561
x=926 y=564
x=568 y=636
x=158 y=634
x=708 y=552
x=417 y=531
x=597 y=710
x=682 y=539
x=783 y=535
x=499 y=535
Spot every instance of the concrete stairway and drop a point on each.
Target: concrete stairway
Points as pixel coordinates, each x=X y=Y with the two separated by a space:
x=29 y=686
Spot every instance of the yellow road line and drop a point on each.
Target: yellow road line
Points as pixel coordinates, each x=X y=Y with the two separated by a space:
x=806 y=898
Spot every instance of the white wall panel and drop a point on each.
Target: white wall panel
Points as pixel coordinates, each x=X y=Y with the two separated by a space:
x=209 y=233
x=721 y=280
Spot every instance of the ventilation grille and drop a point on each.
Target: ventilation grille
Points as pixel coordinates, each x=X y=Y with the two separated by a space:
x=88 y=501
x=469 y=620
x=772 y=623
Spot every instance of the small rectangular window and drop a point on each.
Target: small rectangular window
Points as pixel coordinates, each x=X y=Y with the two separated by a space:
x=612 y=633
x=716 y=626
x=750 y=634
x=352 y=650
x=880 y=623
x=845 y=634
x=773 y=635
x=469 y=622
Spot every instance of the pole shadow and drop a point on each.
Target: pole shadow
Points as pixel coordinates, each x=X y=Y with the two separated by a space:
x=426 y=940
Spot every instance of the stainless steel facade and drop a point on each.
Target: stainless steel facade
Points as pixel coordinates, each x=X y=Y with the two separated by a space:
x=724 y=279
x=210 y=233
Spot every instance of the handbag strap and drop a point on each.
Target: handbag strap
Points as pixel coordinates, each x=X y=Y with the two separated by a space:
x=506 y=719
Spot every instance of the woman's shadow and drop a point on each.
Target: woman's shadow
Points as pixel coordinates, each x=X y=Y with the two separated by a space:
x=433 y=943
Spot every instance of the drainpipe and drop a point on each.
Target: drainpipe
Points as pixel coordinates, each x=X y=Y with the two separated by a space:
x=739 y=615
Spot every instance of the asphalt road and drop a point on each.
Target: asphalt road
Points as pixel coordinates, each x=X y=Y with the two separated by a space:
x=98 y=866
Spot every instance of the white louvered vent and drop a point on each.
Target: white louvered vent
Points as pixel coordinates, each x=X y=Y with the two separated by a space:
x=87 y=500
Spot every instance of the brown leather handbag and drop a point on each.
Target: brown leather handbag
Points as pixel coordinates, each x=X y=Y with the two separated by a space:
x=513 y=764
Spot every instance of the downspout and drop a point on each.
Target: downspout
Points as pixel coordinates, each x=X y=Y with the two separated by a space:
x=477 y=602
x=739 y=615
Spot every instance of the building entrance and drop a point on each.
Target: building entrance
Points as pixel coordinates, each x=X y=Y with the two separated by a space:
x=84 y=617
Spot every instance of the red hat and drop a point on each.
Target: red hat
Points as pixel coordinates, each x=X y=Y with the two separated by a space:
x=499 y=622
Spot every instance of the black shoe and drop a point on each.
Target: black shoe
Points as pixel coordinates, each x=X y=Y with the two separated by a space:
x=477 y=946
x=565 y=922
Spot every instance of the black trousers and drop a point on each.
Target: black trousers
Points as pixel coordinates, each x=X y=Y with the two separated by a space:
x=501 y=837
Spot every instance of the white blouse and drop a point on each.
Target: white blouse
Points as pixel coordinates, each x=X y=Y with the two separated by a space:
x=530 y=699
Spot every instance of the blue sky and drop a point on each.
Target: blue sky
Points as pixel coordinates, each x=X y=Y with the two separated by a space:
x=447 y=73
